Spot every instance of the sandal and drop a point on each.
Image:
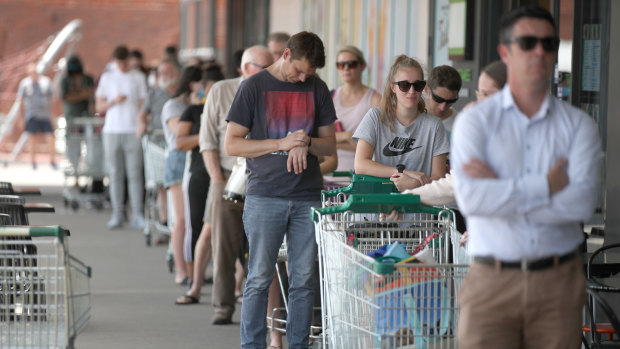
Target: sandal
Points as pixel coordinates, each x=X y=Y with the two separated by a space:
x=186 y=299
x=183 y=282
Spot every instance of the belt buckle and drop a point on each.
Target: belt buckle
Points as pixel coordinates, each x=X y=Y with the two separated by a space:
x=524 y=265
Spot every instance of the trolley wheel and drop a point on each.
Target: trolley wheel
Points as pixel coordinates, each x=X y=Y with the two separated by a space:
x=65 y=202
x=98 y=205
x=75 y=205
x=148 y=239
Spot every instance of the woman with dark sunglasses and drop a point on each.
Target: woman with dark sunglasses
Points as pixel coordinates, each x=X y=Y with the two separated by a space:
x=400 y=131
x=352 y=100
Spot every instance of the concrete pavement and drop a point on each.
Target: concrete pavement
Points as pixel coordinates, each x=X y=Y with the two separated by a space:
x=132 y=291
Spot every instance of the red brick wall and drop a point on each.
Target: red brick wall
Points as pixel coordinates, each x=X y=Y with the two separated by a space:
x=148 y=25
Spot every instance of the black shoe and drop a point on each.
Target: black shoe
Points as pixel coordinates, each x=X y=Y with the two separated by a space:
x=222 y=321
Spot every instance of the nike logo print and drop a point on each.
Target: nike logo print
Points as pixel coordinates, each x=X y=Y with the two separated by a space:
x=399 y=146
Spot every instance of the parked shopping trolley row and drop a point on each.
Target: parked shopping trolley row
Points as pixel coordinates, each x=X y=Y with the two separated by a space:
x=44 y=291
x=388 y=302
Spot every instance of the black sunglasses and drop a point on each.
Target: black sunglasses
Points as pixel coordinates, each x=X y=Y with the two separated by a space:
x=350 y=64
x=405 y=85
x=442 y=100
x=549 y=43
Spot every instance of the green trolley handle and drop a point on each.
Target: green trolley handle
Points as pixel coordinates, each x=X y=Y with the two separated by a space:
x=34 y=231
x=379 y=203
x=363 y=184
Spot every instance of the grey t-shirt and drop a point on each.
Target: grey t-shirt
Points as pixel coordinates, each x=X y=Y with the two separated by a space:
x=413 y=146
x=173 y=107
x=153 y=105
x=271 y=109
x=36 y=96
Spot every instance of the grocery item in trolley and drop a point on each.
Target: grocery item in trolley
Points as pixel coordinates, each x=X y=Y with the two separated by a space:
x=236 y=185
x=387 y=302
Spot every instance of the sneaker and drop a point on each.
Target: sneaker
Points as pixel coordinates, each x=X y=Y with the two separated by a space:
x=115 y=222
x=137 y=222
x=34 y=165
x=54 y=166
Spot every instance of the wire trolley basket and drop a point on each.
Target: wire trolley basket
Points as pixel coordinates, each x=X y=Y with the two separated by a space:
x=44 y=291
x=387 y=302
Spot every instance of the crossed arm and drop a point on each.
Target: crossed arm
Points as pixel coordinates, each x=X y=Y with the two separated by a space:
x=566 y=193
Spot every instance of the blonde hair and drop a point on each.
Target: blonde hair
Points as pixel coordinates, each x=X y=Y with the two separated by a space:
x=388 y=99
x=354 y=51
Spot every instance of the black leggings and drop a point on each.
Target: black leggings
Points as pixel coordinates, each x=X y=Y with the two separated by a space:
x=197 y=192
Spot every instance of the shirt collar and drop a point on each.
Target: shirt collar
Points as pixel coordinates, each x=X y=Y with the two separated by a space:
x=508 y=102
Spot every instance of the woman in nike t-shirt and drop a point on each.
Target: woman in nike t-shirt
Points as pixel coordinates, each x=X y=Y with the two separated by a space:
x=400 y=131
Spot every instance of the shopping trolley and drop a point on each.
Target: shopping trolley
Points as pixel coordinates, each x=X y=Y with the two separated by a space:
x=387 y=302
x=44 y=296
x=154 y=147
x=85 y=153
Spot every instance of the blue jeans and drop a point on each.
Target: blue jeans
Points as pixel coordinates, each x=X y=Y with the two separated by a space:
x=266 y=221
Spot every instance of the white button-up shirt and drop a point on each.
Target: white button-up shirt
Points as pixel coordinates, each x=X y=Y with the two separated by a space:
x=514 y=216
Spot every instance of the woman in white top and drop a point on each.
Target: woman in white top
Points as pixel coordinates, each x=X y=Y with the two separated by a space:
x=351 y=100
x=186 y=94
x=401 y=132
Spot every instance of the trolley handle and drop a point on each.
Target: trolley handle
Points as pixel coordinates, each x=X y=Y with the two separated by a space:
x=378 y=203
x=363 y=184
x=349 y=174
x=34 y=231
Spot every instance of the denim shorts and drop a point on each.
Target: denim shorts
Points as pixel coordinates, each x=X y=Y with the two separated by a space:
x=175 y=166
x=38 y=126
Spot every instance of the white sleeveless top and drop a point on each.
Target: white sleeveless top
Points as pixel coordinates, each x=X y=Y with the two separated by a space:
x=350 y=118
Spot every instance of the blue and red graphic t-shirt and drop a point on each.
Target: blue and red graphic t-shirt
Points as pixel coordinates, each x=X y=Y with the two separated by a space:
x=272 y=109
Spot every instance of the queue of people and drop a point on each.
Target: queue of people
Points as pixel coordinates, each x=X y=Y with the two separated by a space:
x=512 y=163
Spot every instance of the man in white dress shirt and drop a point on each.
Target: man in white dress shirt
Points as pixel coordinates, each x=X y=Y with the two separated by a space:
x=526 y=168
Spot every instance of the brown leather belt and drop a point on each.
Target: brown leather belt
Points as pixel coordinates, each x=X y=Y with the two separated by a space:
x=528 y=264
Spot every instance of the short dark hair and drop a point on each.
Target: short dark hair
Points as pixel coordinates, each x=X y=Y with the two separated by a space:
x=236 y=62
x=309 y=46
x=529 y=11
x=136 y=54
x=121 y=53
x=445 y=76
x=213 y=72
x=74 y=65
x=278 y=37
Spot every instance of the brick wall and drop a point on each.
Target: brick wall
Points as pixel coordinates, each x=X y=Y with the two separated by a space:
x=148 y=25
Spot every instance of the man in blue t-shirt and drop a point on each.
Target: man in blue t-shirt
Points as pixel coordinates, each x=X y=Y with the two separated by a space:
x=287 y=114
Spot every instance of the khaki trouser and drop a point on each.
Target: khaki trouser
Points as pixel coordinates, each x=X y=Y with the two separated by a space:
x=511 y=308
x=226 y=230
